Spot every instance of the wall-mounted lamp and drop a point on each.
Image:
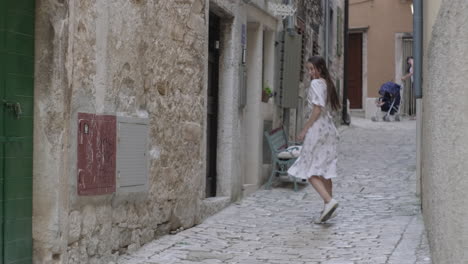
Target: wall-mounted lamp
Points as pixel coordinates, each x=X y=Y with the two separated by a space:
x=412 y=9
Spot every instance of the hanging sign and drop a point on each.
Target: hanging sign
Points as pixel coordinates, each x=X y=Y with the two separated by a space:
x=281 y=9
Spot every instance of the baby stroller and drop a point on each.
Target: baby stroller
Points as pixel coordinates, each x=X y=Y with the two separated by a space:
x=389 y=102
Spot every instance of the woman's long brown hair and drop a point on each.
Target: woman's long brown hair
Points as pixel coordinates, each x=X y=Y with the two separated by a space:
x=332 y=96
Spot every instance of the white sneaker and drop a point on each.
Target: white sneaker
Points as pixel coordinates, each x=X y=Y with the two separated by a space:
x=333 y=215
x=316 y=220
x=328 y=210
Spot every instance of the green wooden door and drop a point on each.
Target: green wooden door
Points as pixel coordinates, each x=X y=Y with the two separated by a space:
x=16 y=129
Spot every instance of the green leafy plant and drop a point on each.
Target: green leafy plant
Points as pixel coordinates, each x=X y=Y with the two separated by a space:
x=268 y=90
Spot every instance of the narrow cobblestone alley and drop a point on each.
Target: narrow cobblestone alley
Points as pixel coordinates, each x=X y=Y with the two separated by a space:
x=378 y=221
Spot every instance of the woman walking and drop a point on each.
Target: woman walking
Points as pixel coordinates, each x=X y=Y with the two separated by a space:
x=317 y=162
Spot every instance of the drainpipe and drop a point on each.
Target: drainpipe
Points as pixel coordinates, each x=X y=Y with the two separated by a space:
x=417 y=76
x=418 y=46
x=345 y=115
x=290 y=22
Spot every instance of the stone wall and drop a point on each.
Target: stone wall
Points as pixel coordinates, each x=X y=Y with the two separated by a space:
x=444 y=135
x=136 y=58
x=312 y=14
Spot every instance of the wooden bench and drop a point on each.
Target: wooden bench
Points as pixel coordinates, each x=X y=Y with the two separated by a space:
x=278 y=143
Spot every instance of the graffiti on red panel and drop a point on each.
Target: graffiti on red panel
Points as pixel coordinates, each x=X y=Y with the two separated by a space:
x=96 y=154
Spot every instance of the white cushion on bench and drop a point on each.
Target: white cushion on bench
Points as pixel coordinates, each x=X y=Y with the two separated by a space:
x=290 y=152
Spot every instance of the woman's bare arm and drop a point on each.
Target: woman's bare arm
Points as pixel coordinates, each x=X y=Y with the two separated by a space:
x=406 y=76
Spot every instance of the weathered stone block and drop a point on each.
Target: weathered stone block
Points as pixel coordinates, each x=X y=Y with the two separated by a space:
x=197 y=23
x=132 y=248
x=125 y=237
x=115 y=238
x=198 y=6
x=119 y=214
x=192 y=132
x=74 y=229
x=178 y=32
x=104 y=214
x=92 y=246
x=89 y=220
x=136 y=236
x=132 y=217
x=147 y=235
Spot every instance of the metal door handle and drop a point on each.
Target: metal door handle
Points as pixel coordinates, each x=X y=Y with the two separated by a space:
x=15 y=107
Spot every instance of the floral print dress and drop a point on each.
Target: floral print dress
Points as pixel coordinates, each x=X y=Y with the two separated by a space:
x=319 y=153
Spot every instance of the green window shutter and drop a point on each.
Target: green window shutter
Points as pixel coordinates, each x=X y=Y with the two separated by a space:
x=288 y=69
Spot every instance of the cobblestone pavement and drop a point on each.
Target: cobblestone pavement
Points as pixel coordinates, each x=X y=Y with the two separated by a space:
x=378 y=221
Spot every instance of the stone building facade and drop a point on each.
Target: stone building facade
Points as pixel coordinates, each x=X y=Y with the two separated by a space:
x=380 y=40
x=147 y=117
x=322 y=25
x=443 y=130
x=135 y=59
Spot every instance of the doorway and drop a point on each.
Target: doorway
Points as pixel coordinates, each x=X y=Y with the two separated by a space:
x=16 y=130
x=355 y=70
x=212 y=104
x=409 y=98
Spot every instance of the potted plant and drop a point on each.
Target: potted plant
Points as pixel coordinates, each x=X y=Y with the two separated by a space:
x=266 y=93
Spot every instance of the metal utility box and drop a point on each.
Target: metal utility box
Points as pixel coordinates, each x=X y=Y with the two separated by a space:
x=132 y=154
x=96 y=154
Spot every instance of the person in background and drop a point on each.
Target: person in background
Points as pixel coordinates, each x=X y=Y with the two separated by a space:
x=409 y=74
x=409 y=71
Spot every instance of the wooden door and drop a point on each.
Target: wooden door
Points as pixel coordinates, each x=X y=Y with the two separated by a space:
x=212 y=119
x=16 y=129
x=355 y=70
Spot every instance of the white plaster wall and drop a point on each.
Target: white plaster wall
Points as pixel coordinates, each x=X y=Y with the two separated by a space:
x=269 y=57
x=252 y=111
x=445 y=135
x=269 y=76
x=261 y=28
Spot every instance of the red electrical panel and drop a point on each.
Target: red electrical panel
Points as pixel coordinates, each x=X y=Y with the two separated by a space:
x=96 y=154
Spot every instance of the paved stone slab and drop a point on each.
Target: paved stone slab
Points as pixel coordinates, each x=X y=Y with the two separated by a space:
x=378 y=221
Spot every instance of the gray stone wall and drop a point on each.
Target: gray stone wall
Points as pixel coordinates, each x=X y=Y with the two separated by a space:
x=445 y=137
x=130 y=58
x=312 y=13
x=337 y=58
